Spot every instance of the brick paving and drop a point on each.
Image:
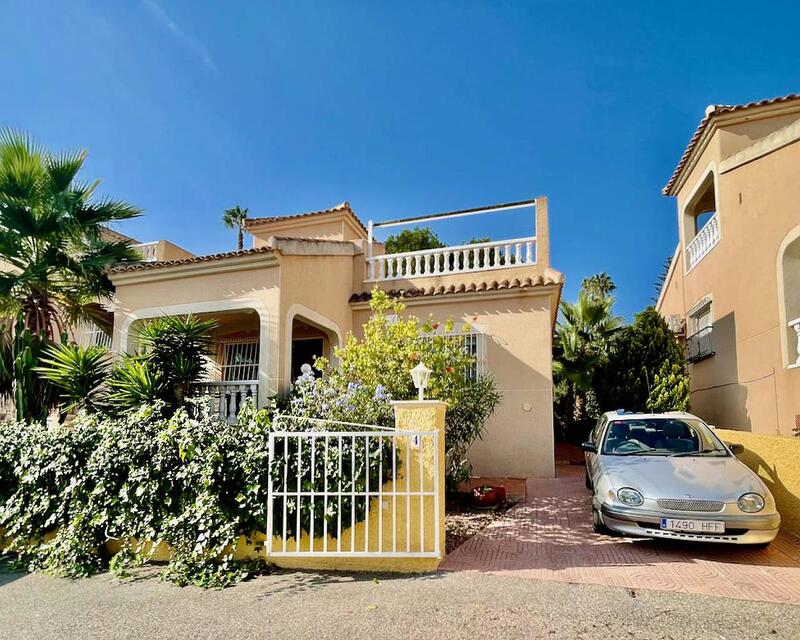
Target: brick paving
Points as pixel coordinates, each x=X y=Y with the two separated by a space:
x=549 y=537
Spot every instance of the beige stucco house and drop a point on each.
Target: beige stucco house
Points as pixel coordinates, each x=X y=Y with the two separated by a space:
x=733 y=287
x=305 y=284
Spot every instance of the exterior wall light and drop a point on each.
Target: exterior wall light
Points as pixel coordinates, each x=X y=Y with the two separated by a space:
x=420 y=375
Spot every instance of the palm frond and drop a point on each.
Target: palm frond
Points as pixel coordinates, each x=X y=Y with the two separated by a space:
x=63 y=167
x=104 y=212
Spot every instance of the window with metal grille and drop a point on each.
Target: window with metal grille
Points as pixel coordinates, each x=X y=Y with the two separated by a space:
x=239 y=361
x=700 y=342
x=473 y=343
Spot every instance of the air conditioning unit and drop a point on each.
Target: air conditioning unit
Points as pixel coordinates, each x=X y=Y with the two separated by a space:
x=677 y=324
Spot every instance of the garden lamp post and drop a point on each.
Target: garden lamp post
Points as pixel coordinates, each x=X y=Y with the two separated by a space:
x=420 y=375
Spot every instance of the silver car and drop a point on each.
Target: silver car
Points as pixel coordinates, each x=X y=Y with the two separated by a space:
x=669 y=476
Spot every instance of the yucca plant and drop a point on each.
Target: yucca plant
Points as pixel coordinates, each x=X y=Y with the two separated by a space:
x=136 y=382
x=79 y=373
x=177 y=347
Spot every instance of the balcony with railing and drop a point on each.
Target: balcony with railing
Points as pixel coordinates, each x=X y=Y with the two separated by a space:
x=700 y=345
x=705 y=240
x=526 y=251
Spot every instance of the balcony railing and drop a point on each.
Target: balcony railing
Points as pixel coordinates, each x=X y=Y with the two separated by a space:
x=466 y=258
x=795 y=325
x=148 y=251
x=228 y=397
x=700 y=345
x=705 y=240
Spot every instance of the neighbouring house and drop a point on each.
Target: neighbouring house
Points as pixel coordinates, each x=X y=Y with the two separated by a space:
x=99 y=332
x=733 y=288
x=306 y=282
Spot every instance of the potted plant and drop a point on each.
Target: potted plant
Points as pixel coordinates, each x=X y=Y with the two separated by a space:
x=488 y=496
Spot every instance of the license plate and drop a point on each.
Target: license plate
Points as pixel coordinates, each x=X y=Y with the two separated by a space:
x=693 y=526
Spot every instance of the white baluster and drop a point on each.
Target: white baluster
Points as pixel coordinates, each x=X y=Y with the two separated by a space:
x=222 y=405
x=231 y=410
x=518 y=252
x=487 y=252
x=418 y=265
x=529 y=252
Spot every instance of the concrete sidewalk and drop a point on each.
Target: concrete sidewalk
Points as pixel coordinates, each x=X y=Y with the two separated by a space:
x=320 y=606
x=549 y=537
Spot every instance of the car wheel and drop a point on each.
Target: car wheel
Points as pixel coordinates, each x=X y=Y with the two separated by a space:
x=597 y=522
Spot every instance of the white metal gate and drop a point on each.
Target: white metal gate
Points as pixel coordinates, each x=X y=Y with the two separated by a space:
x=352 y=490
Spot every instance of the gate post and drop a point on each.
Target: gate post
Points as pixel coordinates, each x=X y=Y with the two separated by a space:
x=428 y=415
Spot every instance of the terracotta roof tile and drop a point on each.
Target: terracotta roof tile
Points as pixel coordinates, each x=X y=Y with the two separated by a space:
x=711 y=112
x=142 y=266
x=472 y=287
x=343 y=206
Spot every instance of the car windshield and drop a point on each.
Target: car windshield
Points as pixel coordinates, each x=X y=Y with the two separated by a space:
x=660 y=437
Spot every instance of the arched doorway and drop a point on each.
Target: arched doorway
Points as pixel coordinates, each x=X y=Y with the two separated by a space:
x=309 y=336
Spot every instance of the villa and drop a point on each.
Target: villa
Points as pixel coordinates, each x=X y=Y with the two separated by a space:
x=305 y=284
x=733 y=287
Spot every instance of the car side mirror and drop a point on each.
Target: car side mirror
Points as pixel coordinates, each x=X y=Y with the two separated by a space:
x=736 y=448
x=589 y=447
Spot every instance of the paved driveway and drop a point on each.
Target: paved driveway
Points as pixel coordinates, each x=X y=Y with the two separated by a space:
x=549 y=537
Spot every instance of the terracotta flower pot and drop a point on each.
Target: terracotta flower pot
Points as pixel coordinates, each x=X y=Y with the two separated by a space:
x=488 y=496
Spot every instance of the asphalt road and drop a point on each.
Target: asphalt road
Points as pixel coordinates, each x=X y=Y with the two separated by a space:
x=317 y=606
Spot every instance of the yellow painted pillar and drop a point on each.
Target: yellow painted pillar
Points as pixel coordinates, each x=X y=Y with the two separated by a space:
x=427 y=455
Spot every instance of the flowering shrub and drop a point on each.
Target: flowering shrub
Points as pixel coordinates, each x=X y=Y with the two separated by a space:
x=381 y=362
x=333 y=398
x=346 y=465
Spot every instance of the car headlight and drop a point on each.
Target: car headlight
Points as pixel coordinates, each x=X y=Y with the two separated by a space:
x=751 y=503
x=630 y=497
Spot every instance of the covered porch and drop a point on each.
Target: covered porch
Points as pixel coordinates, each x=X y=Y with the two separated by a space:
x=243 y=362
x=237 y=367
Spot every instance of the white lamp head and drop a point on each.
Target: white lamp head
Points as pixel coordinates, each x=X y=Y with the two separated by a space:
x=420 y=375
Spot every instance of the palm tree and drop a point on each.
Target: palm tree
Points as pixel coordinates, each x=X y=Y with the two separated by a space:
x=234 y=218
x=52 y=243
x=599 y=286
x=54 y=259
x=582 y=341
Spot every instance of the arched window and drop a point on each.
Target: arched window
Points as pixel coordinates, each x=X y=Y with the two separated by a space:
x=789 y=295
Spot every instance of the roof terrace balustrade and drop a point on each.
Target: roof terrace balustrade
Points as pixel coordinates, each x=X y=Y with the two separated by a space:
x=460 y=259
x=466 y=258
x=148 y=251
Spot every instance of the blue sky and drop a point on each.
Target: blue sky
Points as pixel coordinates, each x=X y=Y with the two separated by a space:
x=401 y=108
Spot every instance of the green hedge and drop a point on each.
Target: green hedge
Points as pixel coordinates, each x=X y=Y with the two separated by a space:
x=192 y=481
